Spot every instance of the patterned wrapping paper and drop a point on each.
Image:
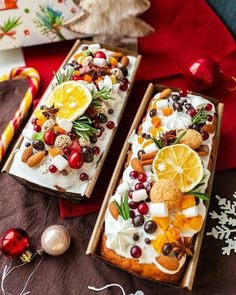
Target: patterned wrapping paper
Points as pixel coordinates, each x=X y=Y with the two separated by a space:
x=24 y=23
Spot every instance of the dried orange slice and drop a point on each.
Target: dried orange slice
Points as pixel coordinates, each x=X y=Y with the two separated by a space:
x=180 y=163
x=72 y=98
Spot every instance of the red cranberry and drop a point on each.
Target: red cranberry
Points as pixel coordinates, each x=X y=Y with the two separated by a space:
x=133 y=174
x=139 y=186
x=100 y=54
x=66 y=151
x=110 y=124
x=133 y=205
x=49 y=137
x=189 y=106
x=52 y=169
x=124 y=84
x=210 y=118
x=102 y=129
x=142 y=177
x=205 y=135
x=34 y=121
x=72 y=135
x=96 y=150
x=130 y=194
x=76 y=78
x=143 y=208
x=83 y=176
x=183 y=92
x=132 y=214
x=135 y=252
x=208 y=107
x=96 y=123
x=99 y=134
x=191 y=112
x=37 y=128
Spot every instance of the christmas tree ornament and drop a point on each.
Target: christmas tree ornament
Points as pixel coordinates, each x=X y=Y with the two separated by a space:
x=55 y=240
x=111 y=20
x=202 y=73
x=15 y=243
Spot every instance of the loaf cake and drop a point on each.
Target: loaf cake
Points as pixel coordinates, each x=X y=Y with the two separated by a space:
x=159 y=205
x=71 y=129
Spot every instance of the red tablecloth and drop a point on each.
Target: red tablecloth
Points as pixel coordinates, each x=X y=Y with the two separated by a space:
x=184 y=30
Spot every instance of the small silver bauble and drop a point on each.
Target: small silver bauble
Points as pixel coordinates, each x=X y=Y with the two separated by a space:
x=55 y=240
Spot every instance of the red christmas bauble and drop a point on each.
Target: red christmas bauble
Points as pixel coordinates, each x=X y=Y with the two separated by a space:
x=14 y=242
x=202 y=73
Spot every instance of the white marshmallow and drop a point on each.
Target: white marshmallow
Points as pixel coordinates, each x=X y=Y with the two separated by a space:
x=151 y=148
x=100 y=62
x=147 y=126
x=158 y=209
x=65 y=124
x=190 y=212
x=94 y=48
x=107 y=82
x=60 y=162
x=133 y=137
x=28 y=134
x=160 y=104
x=139 y=195
x=123 y=188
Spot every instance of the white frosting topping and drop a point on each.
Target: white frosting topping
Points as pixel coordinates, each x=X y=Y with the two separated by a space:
x=177 y=120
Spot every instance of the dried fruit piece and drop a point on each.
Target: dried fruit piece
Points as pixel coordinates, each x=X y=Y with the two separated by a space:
x=167 y=111
x=159 y=242
x=195 y=222
x=113 y=61
x=156 y=121
x=36 y=159
x=117 y=54
x=113 y=210
x=136 y=165
x=170 y=263
x=53 y=152
x=27 y=153
x=165 y=93
x=209 y=128
x=162 y=222
x=188 y=201
x=172 y=234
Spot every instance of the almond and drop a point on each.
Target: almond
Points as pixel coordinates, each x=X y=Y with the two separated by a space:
x=203 y=150
x=170 y=263
x=136 y=165
x=35 y=159
x=27 y=153
x=117 y=54
x=209 y=128
x=125 y=61
x=165 y=93
x=113 y=210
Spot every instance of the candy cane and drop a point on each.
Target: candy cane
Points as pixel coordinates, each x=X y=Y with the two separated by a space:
x=33 y=80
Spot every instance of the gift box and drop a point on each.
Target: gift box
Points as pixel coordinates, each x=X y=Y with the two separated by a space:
x=36 y=179
x=24 y=23
x=94 y=247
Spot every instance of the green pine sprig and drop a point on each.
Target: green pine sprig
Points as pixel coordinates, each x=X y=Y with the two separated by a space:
x=200 y=117
x=63 y=77
x=99 y=96
x=179 y=137
x=197 y=194
x=10 y=24
x=123 y=207
x=83 y=128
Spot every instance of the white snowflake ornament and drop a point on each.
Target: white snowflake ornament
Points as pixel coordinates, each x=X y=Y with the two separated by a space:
x=226 y=223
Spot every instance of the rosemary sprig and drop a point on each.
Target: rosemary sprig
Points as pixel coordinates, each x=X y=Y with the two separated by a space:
x=157 y=142
x=202 y=196
x=63 y=77
x=123 y=207
x=103 y=94
x=83 y=127
x=200 y=117
x=10 y=24
x=179 y=137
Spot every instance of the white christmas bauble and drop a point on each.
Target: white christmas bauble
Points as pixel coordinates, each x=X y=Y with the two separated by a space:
x=55 y=240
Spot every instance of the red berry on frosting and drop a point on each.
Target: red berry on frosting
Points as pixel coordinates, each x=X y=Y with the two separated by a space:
x=34 y=121
x=208 y=107
x=110 y=124
x=52 y=169
x=183 y=92
x=142 y=177
x=133 y=205
x=96 y=150
x=37 y=128
x=139 y=186
x=83 y=176
x=191 y=112
x=66 y=151
x=49 y=137
x=205 y=135
x=135 y=251
x=75 y=160
x=143 y=208
x=133 y=174
x=100 y=54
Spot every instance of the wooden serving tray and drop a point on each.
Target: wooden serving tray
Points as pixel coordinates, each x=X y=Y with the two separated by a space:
x=94 y=243
x=69 y=195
